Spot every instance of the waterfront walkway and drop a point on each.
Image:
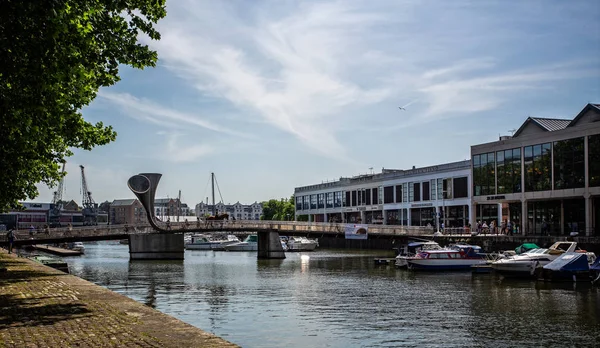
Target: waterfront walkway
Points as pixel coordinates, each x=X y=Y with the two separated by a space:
x=43 y=307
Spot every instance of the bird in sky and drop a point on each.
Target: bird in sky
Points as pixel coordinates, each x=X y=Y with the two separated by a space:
x=404 y=107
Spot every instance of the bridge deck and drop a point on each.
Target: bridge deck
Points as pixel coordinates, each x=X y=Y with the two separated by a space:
x=240 y=227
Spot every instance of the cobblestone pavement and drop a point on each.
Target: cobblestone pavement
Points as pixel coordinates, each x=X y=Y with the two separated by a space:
x=43 y=307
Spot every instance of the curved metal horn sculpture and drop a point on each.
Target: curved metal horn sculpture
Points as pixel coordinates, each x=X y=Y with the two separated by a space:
x=144 y=187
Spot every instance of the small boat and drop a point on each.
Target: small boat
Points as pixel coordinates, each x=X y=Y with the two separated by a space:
x=229 y=239
x=202 y=242
x=51 y=262
x=413 y=249
x=530 y=263
x=569 y=266
x=458 y=257
x=124 y=241
x=301 y=244
x=249 y=244
x=77 y=246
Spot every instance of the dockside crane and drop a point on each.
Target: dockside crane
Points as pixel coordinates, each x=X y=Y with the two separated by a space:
x=57 y=202
x=90 y=208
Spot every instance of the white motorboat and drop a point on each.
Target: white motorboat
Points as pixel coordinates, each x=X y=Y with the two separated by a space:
x=530 y=263
x=301 y=244
x=229 y=239
x=77 y=246
x=459 y=257
x=202 y=242
x=413 y=249
x=249 y=244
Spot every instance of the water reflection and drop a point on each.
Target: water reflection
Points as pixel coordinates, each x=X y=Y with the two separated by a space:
x=341 y=299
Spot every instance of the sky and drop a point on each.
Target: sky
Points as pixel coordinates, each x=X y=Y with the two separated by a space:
x=273 y=95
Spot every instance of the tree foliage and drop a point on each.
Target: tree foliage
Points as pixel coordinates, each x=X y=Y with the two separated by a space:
x=54 y=56
x=278 y=210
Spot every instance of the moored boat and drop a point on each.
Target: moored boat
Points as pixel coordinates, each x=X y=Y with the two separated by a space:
x=301 y=244
x=569 y=266
x=249 y=244
x=412 y=249
x=202 y=242
x=530 y=263
x=51 y=262
x=458 y=257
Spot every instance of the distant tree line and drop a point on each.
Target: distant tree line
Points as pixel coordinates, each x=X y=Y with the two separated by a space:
x=278 y=210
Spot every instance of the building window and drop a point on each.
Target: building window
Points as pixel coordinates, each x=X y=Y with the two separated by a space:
x=538 y=167
x=321 y=201
x=298 y=203
x=398 y=193
x=337 y=199
x=461 y=189
x=447 y=189
x=440 y=188
x=329 y=196
x=313 y=201
x=368 y=195
x=484 y=174
x=433 y=189
x=405 y=193
x=508 y=168
x=411 y=192
x=346 y=199
x=375 y=195
x=426 y=191
x=380 y=195
x=306 y=204
x=388 y=194
x=364 y=196
x=594 y=160
x=354 y=201
x=569 y=167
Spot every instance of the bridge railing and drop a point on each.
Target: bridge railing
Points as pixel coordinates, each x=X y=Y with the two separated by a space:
x=84 y=231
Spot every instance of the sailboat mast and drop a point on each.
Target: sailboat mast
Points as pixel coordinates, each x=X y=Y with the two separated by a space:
x=178 y=205
x=214 y=209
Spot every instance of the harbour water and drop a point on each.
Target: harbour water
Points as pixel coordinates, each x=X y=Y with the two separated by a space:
x=340 y=298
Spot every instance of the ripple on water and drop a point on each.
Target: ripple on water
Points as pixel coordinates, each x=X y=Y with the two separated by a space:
x=337 y=299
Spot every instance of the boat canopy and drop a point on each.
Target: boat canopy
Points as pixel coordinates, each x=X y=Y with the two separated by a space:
x=569 y=262
x=416 y=244
x=525 y=247
x=596 y=265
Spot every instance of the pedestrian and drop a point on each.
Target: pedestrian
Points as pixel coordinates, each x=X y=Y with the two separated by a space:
x=47 y=229
x=168 y=224
x=10 y=235
x=31 y=231
x=509 y=227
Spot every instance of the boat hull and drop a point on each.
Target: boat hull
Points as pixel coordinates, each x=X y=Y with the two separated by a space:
x=241 y=247
x=512 y=268
x=204 y=246
x=443 y=264
x=302 y=247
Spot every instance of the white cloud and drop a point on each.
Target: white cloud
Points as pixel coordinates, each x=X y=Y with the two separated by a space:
x=174 y=151
x=305 y=68
x=146 y=110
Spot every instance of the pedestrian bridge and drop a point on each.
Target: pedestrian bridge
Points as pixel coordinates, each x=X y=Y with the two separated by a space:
x=244 y=227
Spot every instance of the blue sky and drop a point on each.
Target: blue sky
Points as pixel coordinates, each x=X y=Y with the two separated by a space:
x=271 y=95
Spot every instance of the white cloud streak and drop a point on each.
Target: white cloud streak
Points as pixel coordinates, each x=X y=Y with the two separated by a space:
x=305 y=68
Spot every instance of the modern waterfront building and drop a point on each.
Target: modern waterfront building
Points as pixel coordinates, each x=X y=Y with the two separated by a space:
x=544 y=179
x=238 y=210
x=414 y=197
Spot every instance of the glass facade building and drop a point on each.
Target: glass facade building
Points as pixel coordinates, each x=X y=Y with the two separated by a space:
x=545 y=179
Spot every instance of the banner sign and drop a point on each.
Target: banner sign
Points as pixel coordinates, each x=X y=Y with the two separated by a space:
x=354 y=231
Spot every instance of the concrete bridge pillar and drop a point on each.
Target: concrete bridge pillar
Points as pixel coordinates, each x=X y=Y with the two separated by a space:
x=269 y=246
x=156 y=246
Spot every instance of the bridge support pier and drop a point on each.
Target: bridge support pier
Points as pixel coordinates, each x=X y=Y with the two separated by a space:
x=156 y=247
x=269 y=246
